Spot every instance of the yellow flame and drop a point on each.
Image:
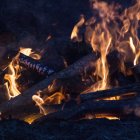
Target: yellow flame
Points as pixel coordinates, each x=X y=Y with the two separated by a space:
x=136 y=53
x=12 y=77
x=39 y=102
x=29 y=52
x=26 y=51
x=132 y=45
x=107 y=35
x=75 y=31
x=99 y=116
x=14 y=67
x=31 y=118
x=104 y=34
x=56 y=98
x=136 y=58
x=102 y=68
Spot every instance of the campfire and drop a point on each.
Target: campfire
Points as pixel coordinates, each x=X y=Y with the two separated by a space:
x=97 y=77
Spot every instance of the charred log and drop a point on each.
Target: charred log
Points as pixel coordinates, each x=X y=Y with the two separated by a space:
x=111 y=92
x=22 y=103
x=120 y=108
x=35 y=65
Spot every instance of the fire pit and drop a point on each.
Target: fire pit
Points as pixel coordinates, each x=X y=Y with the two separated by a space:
x=74 y=83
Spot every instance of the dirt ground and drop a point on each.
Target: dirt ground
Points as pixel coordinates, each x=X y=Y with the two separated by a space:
x=100 y=129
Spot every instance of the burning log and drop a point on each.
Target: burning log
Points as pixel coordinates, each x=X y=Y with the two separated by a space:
x=35 y=65
x=120 y=109
x=21 y=104
x=111 y=92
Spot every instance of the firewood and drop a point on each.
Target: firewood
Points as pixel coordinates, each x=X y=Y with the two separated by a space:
x=119 y=108
x=72 y=86
x=111 y=92
x=35 y=65
x=22 y=103
x=29 y=63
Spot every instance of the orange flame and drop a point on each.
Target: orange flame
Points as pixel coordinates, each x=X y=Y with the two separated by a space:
x=98 y=116
x=56 y=98
x=136 y=58
x=14 y=68
x=29 y=52
x=39 y=102
x=112 y=30
x=108 y=35
x=75 y=33
x=132 y=45
x=12 y=77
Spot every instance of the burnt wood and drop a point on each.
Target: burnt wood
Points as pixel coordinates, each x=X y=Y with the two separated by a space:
x=111 y=92
x=119 y=108
x=35 y=65
x=22 y=103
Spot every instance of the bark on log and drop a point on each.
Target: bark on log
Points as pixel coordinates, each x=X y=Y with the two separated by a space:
x=22 y=103
x=111 y=92
x=35 y=65
x=119 y=108
x=32 y=64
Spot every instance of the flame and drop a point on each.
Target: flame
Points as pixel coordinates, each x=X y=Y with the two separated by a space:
x=26 y=51
x=48 y=38
x=39 y=102
x=7 y=91
x=99 y=116
x=31 y=118
x=136 y=53
x=132 y=45
x=75 y=31
x=108 y=30
x=136 y=58
x=56 y=98
x=11 y=78
x=13 y=73
x=102 y=68
x=106 y=34
x=29 y=52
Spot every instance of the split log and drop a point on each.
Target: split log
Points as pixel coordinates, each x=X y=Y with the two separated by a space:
x=21 y=104
x=32 y=64
x=35 y=65
x=111 y=92
x=119 y=108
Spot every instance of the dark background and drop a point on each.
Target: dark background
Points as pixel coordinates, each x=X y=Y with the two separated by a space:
x=43 y=17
